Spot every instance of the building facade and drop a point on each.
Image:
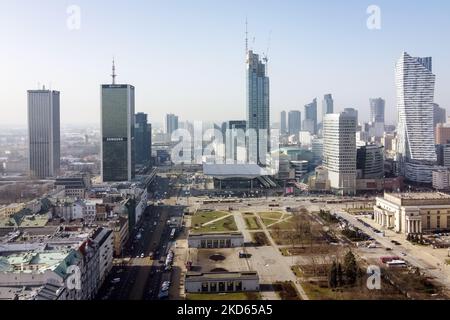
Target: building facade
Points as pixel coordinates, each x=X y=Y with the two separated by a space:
x=283 y=123
x=258 y=108
x=43 y=133
x=216 y=240
x=294 y=122
x=327 y=105
x=221 y=282
x=117 y=130
x=143 y=139
x=370 y=161
x=310 y=122
x=415 y=94
x=171 y=124
x=339 y=151
x=413 y=213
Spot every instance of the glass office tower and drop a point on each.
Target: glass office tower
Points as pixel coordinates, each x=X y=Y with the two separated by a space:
x=117 y=148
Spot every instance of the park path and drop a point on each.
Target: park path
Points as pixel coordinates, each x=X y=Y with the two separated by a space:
x=242 y=226
x=215 y=220
x=287 y=267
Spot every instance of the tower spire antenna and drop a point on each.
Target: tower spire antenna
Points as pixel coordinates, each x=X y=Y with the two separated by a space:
x=113 y=75
x=246 y=35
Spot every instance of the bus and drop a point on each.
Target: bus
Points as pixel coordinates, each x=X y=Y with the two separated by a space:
x=172 y=233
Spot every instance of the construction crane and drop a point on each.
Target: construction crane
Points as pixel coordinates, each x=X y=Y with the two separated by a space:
x=266 y=54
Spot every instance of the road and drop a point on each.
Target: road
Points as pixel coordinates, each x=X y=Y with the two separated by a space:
x=397 y=250
x=141 y=278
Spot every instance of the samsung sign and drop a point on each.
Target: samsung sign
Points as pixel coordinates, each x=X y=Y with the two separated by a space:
x=115 y=139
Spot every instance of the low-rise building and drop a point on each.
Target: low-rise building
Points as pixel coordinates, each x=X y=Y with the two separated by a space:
x=216 y=240
x=413 y=213
x=221 y=282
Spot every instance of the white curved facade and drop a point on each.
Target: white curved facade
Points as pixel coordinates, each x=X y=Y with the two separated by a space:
x=415 y=94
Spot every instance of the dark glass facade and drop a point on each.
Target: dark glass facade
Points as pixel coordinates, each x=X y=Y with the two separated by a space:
x=118 y=154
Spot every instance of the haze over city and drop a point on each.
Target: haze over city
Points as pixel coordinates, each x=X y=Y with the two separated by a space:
x=188 y=56
x=250 y=152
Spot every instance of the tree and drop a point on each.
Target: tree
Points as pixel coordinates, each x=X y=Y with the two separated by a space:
x=340 y=276
x=332 y=276
x=350 y=268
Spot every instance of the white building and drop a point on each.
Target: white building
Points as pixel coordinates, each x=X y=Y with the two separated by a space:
x=104 y=240
x=339 y=151
x=216 y=240
x=415 y=96
x=221 y=282
x=413 y=212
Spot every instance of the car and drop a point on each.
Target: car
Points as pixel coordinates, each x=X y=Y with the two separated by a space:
x=388 y=249
x=115 y=280
x=142 y=255
x=150 y=255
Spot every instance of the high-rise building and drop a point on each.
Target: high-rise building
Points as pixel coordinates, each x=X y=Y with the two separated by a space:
x=370 y=161
x=339 y=151
x=439 y=115
x=377 y=107
x=327 y=105
x=171 y=124
x=415 y=93
x=258 y=107
x=283 y=123
x=143 y=139
x=117 y=130
x=43 y=133
x=310 y=122
x=294 y=122
x=234 y=134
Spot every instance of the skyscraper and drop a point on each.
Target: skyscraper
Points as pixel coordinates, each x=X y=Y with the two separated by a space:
x=310 y=122
x=377 y=107
x=143 y=139
x=171 y=124
x=117 y=130
x=283 y=124
x=258 y=107
x=294 y=122
x=327 y=105
x=415 y=94
x=43 y=133
x=339 y=151
x=234 y=135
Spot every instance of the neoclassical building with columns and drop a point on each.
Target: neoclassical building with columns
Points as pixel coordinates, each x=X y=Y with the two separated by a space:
x=413 y=212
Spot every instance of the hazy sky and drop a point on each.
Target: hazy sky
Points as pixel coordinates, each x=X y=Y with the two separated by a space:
x=187 y=57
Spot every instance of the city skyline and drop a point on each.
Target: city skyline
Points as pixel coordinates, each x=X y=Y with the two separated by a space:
x=315 y=72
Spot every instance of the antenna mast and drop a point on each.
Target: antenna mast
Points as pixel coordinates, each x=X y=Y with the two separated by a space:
x=114 y=75
x=246 y=36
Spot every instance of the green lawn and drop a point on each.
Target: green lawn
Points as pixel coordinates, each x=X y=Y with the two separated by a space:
x=224 y=296
x=252 y=223
x=203 y=217
x=224 y=225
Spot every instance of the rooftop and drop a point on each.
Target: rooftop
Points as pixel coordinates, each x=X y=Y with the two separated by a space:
x=196 y=276
x=421 y=196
